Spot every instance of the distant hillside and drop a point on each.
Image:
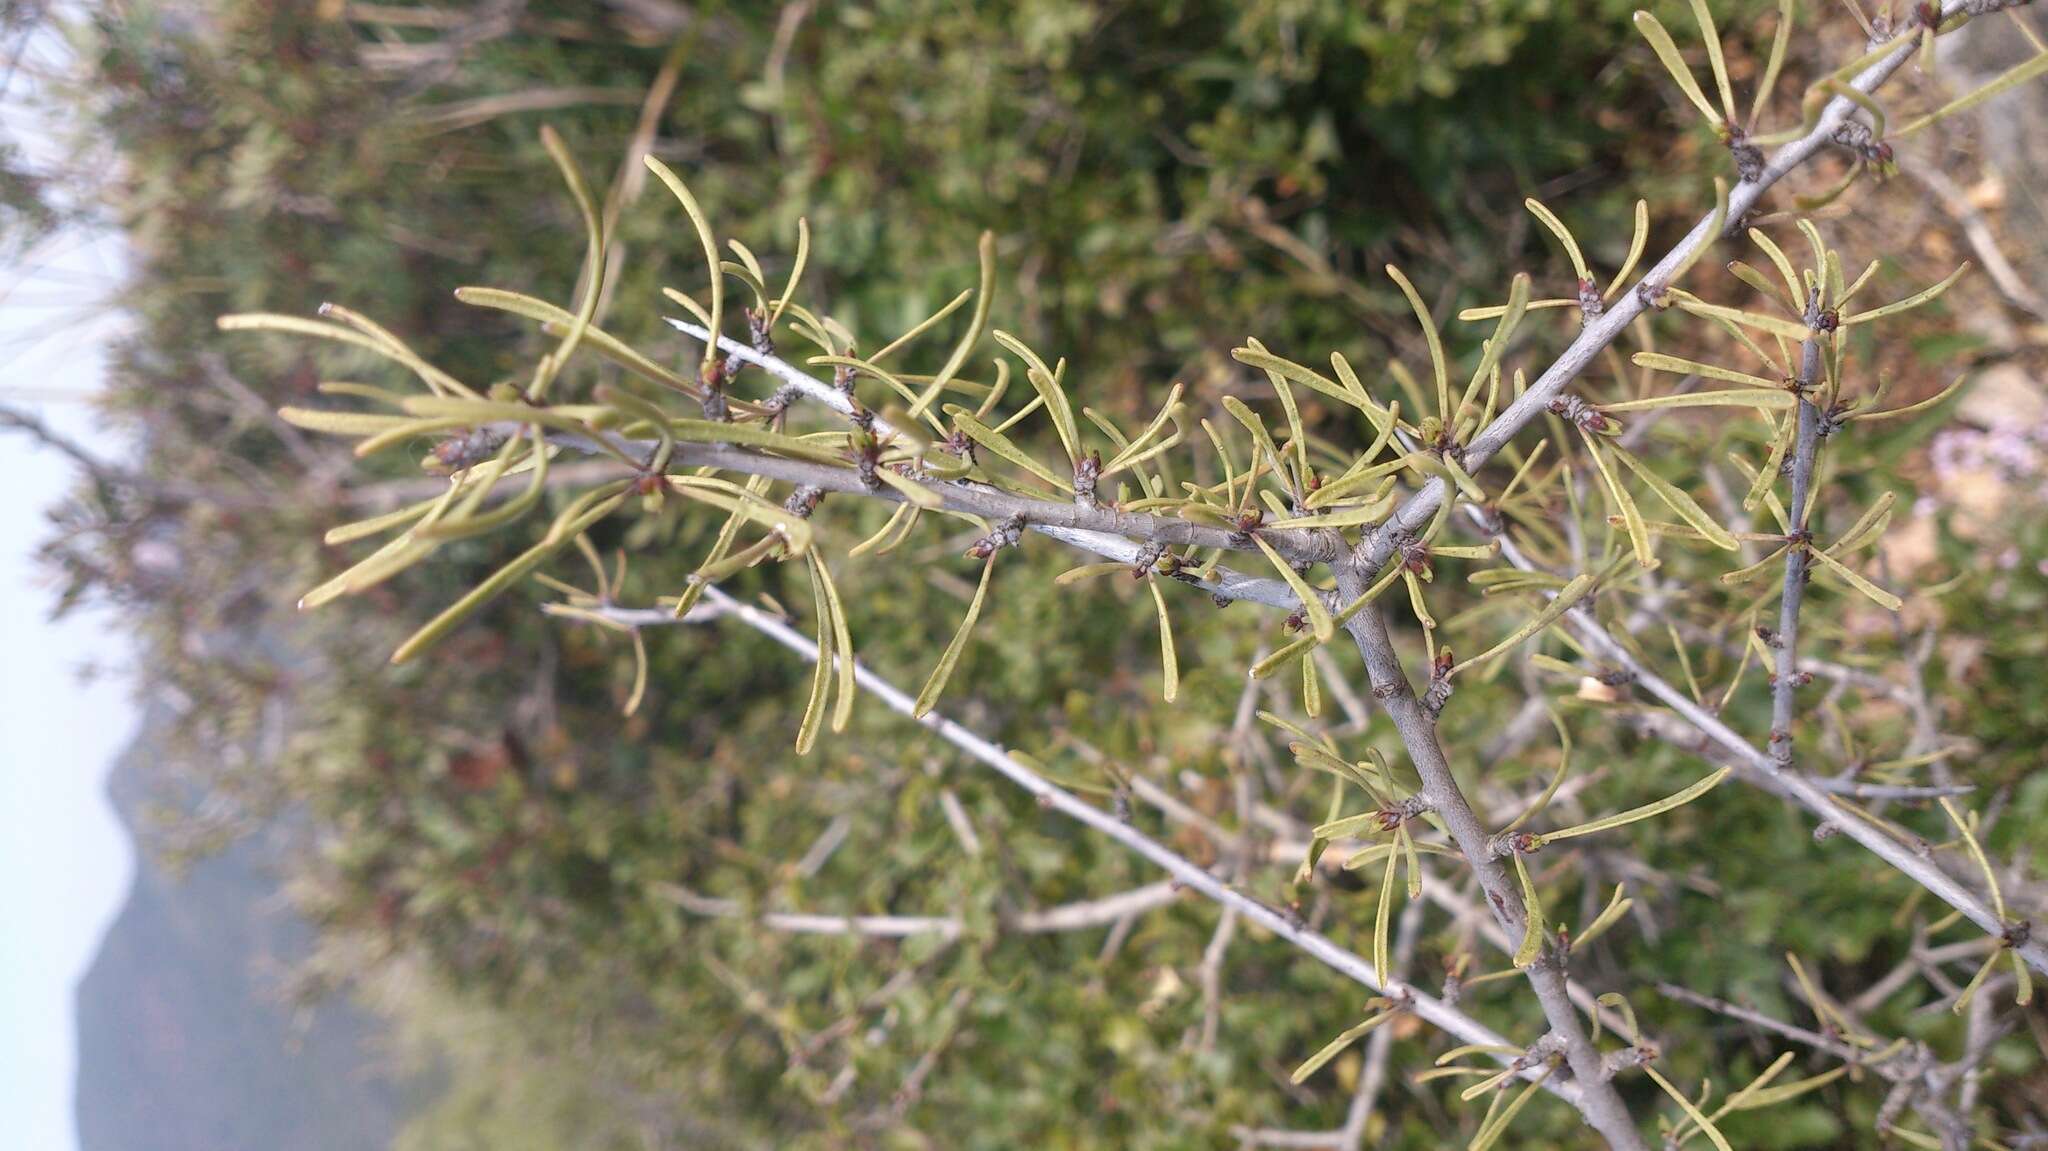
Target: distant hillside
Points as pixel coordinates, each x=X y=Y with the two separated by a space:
x=184 y=1044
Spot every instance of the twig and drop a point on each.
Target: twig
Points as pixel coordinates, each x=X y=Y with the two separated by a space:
x=1185 y=872
x=1599 y=1102
x=1785 y=684
x=1078 y=916
x=1806 y=792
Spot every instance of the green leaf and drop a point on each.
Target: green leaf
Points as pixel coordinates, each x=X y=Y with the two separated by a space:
x=1565 y=600
x=1635 y=814
x=1779 y=38
x=1790 y=329
x=1436 y=347
x=984 y=298
x=1638 y=535
x=1046 y=381
x=1667 y=52
x=558 y=537
x=1912 y=409
x=1658 y=362
x=1335 y=1047
x=1924 y=296
x=1977 y=856
x=593 y=265
x=842 y=642
x=2036 y=65
x=951 y=657
x=1532 y=915
x=604 y=343
x=1354 y=394
x=821 y=674
x=1556 y=227
x=1001 y=445
x=1319 y=621
x=1257 y=427
x=1705 y=1124
x=1497 y=346
x=1617 y=906
x=1382 y=919
x=1715 y=62
x=1876 y=594
x=344 y=423
x=1490 y=1133
x=716 y=316
x=1677 y=500
x=1169 y=664
x=796 y=271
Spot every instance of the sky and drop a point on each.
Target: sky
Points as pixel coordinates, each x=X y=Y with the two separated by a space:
x=65 y=862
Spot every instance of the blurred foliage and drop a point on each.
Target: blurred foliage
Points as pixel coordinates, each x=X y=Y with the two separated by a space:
x=1163 y=178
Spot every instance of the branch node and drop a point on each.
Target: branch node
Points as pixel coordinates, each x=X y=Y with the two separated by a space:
x=1006 y=535
x=1086 y=473
x=803 y=501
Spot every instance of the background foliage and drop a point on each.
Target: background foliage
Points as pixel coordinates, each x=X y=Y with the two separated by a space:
x=492 y=853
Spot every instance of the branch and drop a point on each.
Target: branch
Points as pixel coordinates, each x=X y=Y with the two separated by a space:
x=1599 y=1102
x=1785 y=684
x=1077 y=916
x=1184 y=872
x=1085 y=532
x=1379 y=546
x=1813 y=796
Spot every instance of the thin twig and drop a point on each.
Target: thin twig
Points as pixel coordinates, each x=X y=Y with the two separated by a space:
x=1185 y=872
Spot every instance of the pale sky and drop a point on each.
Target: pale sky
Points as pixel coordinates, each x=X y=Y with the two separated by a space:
x=65 y=863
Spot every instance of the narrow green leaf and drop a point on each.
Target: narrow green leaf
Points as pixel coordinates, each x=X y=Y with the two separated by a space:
x=821 y=674
x=1518 y=302
x=1667 y=52
x=1779 y=37
x=1532 y=914
x=1001 y=445
x=1639 y=240
x=716 y=316
x=1715 y=62
x=1382 y=919
x=1775 y=399
x=1677 y=500
x=1691 y=1112
x=1436 y=347
x=1617 y=906
x=1556 y=228
x=1335 y=1047
x=1977 y=855
x=496 y=584
x=593 y=265
x=1647 y=811
x=1046 y=381
x=1638 y=535
x=1912 y=409
x=796 y=271
x=1169 y=664
x=1850 y=576
x=842 y=642
x=1565 y=600
x=1312 y=606
x=1257 y=427
x=343 y=423
x=1784 y=1092
x=1868 y=526
x=1926 y=295
x=951 y=657
x=984 y=298
x=2033 y=66
x=604 y=343
x=1790 y=329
